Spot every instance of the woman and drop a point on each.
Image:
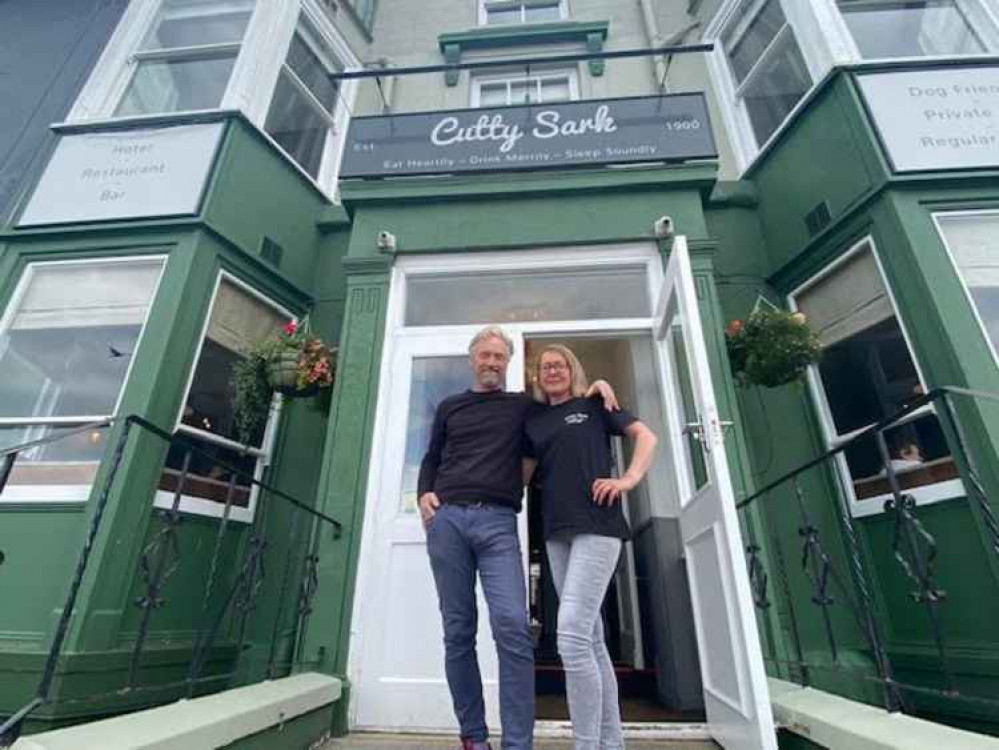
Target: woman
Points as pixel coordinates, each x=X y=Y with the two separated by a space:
x=584 y=526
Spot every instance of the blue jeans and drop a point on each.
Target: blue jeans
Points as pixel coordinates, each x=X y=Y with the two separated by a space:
x=463 y=540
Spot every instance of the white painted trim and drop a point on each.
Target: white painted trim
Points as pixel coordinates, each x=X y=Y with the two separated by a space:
x=42 y=494
x=935 y=217
x=925 y=495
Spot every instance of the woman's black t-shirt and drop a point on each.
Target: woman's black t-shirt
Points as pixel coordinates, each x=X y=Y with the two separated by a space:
x=571 y=442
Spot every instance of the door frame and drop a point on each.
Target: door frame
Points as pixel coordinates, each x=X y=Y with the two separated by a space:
x=635 y=254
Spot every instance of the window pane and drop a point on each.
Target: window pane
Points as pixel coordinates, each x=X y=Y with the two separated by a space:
x=72 y=461
x=206 y=478
x=189 y=23
x=973 y=241
x=746 y=44
x=918 y=453
x=555 y=90
x=523 y=91
x=518 y=296
x=910 y=29
x=297 y=127
x=868 y=376
x=503 y=15
x=777 y=86
x=67 y=347
x=492 y=95
x=311 y=72
x=434 y=378
x=540 y=13
x=238 y=321
x=176 y=86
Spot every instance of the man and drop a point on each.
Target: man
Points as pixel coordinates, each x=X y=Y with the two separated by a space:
x=470 y=489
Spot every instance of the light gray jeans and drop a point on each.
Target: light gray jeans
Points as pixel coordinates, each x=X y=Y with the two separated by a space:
x=582 y=568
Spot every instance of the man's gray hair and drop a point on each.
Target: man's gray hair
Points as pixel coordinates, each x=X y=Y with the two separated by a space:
x=490 y=332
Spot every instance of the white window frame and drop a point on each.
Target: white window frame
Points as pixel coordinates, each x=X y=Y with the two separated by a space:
x=936 y=216
x=825 y=42
x=198 y=506
x=262 y=54
x=571 y=75
x=482 y=5
x=949 y=489
x=69 y=493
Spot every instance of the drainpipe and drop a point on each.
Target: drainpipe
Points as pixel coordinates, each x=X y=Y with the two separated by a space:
x=656 y=40
x=660 y=63
x=386 y=85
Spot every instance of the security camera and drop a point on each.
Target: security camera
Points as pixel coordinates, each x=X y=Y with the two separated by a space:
x=663 y=227
x=386 y=241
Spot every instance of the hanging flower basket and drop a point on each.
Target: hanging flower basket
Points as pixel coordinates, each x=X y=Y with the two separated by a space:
x=293 y=363
x=773 y=347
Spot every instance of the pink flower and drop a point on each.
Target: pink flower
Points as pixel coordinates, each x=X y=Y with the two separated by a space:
x=290 y=327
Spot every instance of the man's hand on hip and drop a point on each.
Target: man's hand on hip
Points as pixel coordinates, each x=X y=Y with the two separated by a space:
x=429 y=503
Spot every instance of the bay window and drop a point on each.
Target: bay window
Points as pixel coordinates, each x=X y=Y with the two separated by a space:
x=867 y=373
x=302 y=115
x=239 y=320
x=66 y=346
x=187 y=57
x=973 y=241
x=273 y=61
x=770 y=53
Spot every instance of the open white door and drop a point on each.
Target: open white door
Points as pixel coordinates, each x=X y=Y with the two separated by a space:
x=398 y=674
x=735 y=688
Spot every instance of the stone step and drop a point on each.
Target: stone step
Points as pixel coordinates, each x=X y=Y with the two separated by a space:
x=373 y=741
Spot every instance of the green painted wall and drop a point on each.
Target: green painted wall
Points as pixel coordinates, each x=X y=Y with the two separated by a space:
x=253 y=193
x=831 y=154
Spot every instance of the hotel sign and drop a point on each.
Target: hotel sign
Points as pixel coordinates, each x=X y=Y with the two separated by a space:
x=939 y=118
x=109 y=175
x=532 y=136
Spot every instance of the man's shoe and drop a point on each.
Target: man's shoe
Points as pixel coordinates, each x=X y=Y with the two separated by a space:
x=472 y=745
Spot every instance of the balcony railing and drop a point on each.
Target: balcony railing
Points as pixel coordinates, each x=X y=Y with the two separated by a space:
x=866 y=601
x=232 y=583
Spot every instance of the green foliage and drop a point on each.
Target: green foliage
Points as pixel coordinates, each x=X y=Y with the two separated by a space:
x=251 y=396
x=772 y=348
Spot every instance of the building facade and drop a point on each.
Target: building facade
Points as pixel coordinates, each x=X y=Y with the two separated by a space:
x=626 y=177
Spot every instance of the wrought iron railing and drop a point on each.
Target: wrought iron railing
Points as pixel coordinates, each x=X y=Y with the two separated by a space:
x=828 y=613
x=226 y=605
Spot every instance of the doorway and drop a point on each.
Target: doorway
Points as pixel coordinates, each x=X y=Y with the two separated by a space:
x=646 y=614
x=642 y=323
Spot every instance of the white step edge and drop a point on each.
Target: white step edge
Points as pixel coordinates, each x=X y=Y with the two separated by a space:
x=633 y=730
x=212 y=721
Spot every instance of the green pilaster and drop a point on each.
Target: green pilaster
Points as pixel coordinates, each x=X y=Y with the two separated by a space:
x=343 y=481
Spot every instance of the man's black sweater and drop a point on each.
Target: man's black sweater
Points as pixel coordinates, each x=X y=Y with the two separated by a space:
x=476 y=449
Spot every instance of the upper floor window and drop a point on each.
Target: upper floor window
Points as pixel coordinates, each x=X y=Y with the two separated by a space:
x=536 y=88
x=887 y=28
x=272 y=60
x=770 y=53
x=303 y=112
x=770 y=72
x=185 y=60
x=521 y=11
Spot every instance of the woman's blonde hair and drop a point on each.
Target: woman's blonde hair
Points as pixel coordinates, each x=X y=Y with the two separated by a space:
x=577 y=375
